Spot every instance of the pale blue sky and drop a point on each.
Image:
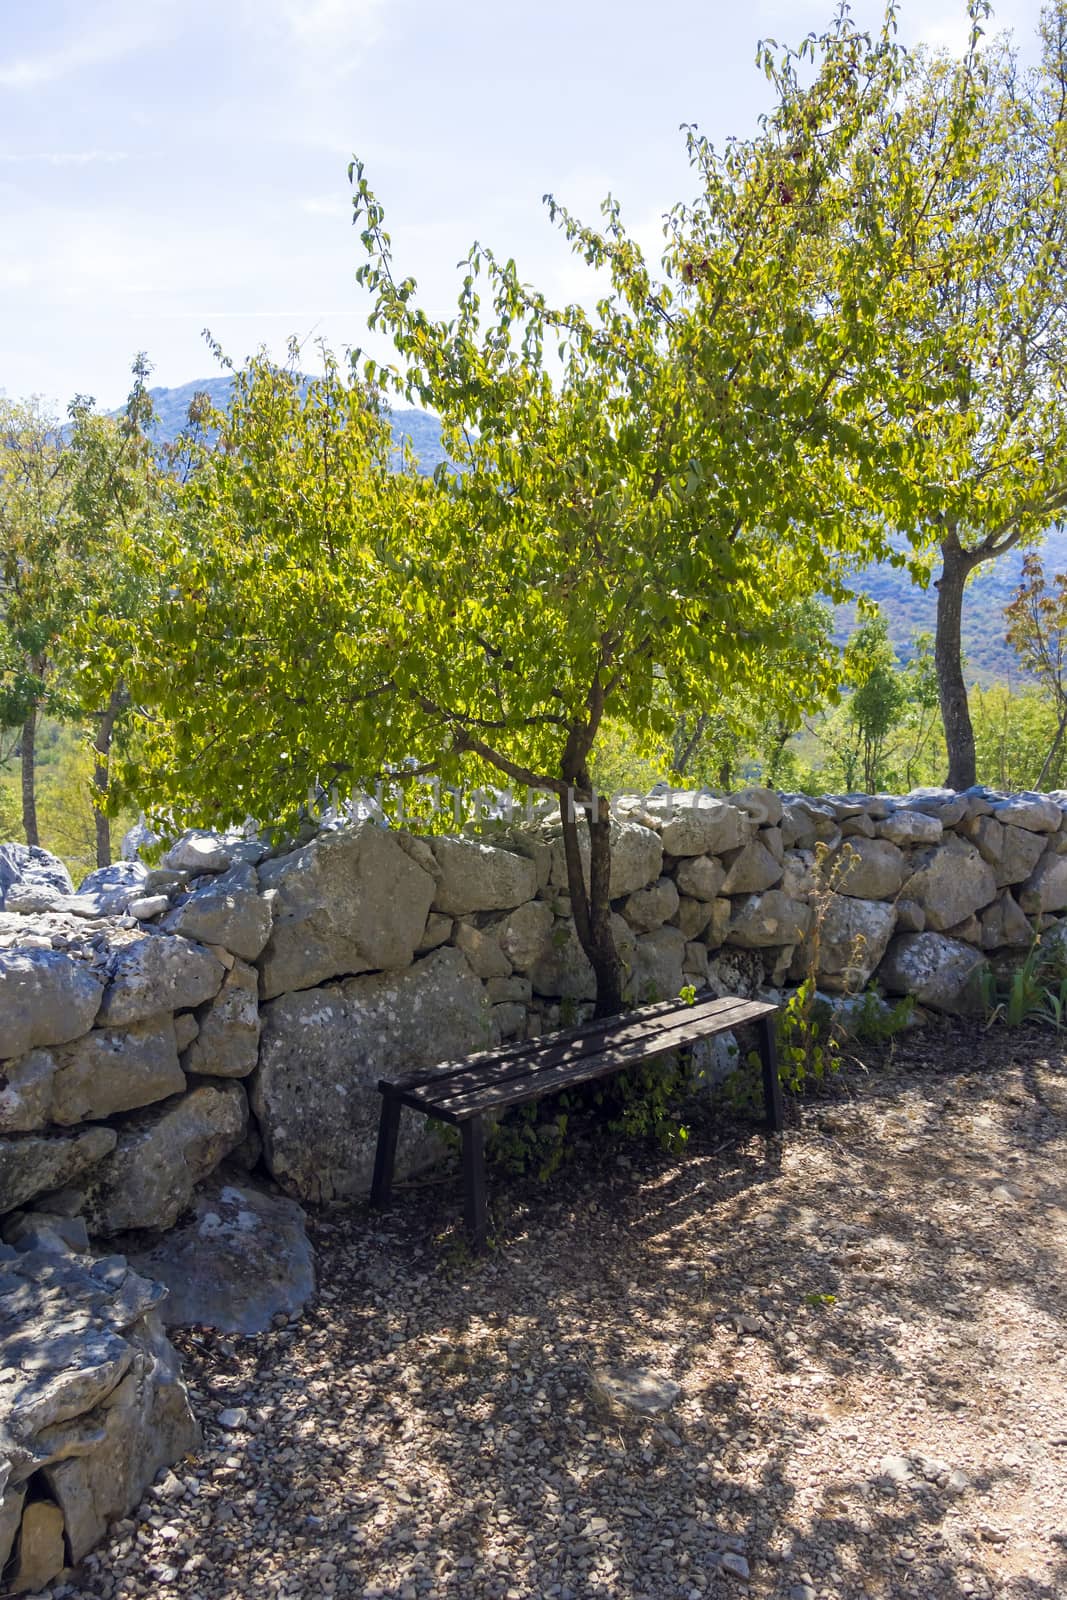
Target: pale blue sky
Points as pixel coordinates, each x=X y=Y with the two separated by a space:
x=171 y=164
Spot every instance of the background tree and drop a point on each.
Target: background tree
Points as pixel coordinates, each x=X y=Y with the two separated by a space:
x=985 y=227
x=1037 y=631
x=67 y=491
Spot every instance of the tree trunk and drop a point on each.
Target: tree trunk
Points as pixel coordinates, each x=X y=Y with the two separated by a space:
x=105 y=728
x=948 y=660
x=29 y=778
x=592 y=908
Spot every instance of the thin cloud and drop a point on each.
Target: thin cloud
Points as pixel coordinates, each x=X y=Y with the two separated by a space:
x=118 y=31
x=64 y=158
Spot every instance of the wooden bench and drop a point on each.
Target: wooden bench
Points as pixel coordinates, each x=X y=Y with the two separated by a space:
x=463 y=1093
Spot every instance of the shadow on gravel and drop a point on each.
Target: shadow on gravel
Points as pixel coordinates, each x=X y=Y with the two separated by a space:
x=832 y=1311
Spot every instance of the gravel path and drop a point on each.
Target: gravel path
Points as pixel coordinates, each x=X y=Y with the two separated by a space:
x=866 y=1327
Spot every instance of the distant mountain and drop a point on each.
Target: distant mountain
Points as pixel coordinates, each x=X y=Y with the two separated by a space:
x=172 y=413
x=908 y=609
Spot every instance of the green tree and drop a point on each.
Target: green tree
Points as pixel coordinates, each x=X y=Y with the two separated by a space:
x=1037 y=631
x=988 y=141
x=641 y=490
x=67 y=491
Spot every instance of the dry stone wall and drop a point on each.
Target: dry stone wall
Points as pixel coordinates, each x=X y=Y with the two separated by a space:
x=237 y=1006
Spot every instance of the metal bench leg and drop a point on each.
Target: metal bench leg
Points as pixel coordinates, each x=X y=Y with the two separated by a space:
x=772 y=1088
x=385 y=1155
x=474 y=1208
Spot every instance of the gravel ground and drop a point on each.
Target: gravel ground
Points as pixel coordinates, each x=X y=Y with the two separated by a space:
x=866 y=1324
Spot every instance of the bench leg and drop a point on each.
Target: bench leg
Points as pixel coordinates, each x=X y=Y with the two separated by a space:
x=474 y=1208
x=385 y=1155
x=772 y=1088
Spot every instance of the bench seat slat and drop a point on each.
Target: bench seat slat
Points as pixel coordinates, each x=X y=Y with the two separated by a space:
x=592 y=1030
x=454 y=1099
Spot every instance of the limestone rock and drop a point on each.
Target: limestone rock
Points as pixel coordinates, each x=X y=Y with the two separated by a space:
x=911 y=918
x=438 y=931
x=692 y=916
x=752 y=869
x=483 y=952
x=1020 y=854
x=706 y=826
x=700 y=877
x=237 y=919
x=321 y=1054
x=109 y=1070
x=909 y=828
x=197 y=852
x=45 y=998
x=1046 y=888
x=636 y=1389
x=41 y=1553
x=798 y=874
x=938 y=972
x=480 y=877
x=516 y=989
x=764 y=806
x=226 y=1044
x=161 y=1155
x=868 y=869
x=768 y=919
x=695 y=963
x=1035 y=812
x=1004 y=924
x=719 y=925
x=110 y=890
x=36 y=1164
x=33 y=874
x=806 y=822
x=148 y=906
x=636 y=857
x=158 y=972
x=950 y=882
x=563 y=970
x=657 y=967
x=853 y=936
x=241 y=1258
x=509 y=1020
x=947 y=805
x=352 y=901
x=649 y=908
x=524 y=932
x=11 y=1502
x=861 y=827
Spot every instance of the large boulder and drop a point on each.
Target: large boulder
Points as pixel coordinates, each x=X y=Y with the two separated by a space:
x=91 y=1396
x=700 y=877
x=31 y=878
x=45 y=998
x=480 y=877
x=752 y=869
x=906 y=828
x=636 y=856
x=850 y=941
x=38 y=1163
x=763 y=920
x=649 y=908
x=238 y=919
x=197 y=852
x=227 y=1040
x=161 y=1155
x=106 y=1071
x=868 y=869
x=1011 y=851
x=563 y=970
x=1035 y=812
x=1046 y=888
x=658 y=961
x=241 y=1258
x=159 y=972
x=764 y=806
x=321 y=1054
x=524 y=932
x=702 y=825
x=937 y=972
x=951 y=882
x=352 y=901
x=107 y=891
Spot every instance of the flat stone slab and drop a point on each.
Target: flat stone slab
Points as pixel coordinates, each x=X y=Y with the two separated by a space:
x=637 y=1388
x=239 y=1260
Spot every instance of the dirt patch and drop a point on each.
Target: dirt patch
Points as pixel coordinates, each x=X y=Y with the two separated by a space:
x=866 y=1323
